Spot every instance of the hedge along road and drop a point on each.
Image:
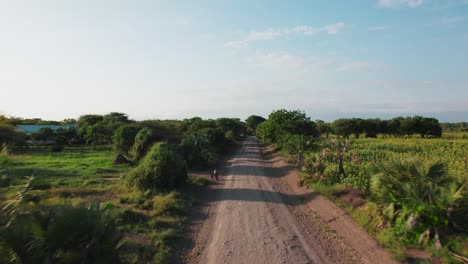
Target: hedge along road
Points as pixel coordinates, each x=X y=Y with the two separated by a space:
x=252 y=215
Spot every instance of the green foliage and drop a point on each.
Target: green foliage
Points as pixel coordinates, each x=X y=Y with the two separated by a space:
x=345 y=127
x=314 y=165
x=98 y=134
x=252 y=122
x=199 y=151
x=282 y=122
x=43 y=134
x=124 y=137
x=143 y=139
x=424 y=126
x=162 y=168
x=59 y=234
x=10 y=134
x=233 y=126
x=62 y=235
x=297 y=145
x=356 y=176
x=425 y=191
x=323 y=128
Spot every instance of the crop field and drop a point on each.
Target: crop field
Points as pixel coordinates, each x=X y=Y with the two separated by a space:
x=451 y=151
x=358 y=191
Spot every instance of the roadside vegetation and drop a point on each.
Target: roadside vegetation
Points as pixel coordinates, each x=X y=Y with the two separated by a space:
x=105 y=190
x=402 y=179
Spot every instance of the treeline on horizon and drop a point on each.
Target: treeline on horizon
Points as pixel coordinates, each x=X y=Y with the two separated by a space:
x=95 y=129
x=13 y=120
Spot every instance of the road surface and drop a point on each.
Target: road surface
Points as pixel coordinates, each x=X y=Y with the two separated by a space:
x=253 y=216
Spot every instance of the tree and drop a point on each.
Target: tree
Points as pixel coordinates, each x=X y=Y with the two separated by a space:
x=283 y=122
x=85 y=121
x=98 y=134
x=44 y=134
x=198 y=151
x=199 y=124
x=323 y=128
x=68 y=135
x=252 y=122
x=370 y=127
x=232 y=125
x=116 y=117
x=162 y=168
x=342 y=127
x=10 y=134
x=124 y=137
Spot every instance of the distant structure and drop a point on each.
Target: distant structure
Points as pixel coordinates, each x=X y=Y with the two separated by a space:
x=29 y=129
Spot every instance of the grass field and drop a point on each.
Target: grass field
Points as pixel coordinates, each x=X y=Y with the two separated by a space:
x=83 y=175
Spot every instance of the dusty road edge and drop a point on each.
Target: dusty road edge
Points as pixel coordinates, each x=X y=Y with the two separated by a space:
x=335 y=217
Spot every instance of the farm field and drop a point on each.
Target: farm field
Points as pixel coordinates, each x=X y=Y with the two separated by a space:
x=357 y=191
x=81 y=176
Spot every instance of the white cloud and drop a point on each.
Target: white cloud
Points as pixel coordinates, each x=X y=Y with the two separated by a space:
x=279 y=60
x=358 y=66
x=377 y=28
x=264 y=35
x=452 y=20
x=287 y=63
x=271 y=34
x=307 y=30
x=396 y=3
x=333 y=29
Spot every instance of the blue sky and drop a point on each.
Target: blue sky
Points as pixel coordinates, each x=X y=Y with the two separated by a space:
x=177 y=59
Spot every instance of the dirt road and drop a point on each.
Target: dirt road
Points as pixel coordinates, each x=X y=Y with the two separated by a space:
x=252 y=215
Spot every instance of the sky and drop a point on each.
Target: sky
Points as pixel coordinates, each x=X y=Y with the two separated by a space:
x=178 y=59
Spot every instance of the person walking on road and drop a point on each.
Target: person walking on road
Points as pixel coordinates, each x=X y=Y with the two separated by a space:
x=214 y=174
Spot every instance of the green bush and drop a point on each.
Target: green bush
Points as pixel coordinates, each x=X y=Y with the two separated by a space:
x=422 y=194
x=61 y=234
x=124 y=137
x=162 y=168
x=142 y=141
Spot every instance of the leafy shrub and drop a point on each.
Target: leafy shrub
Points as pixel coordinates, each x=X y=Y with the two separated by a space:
x=124 y=137
x=297 y=145
x=61 y=234
x=142 y=141
x=422 y=194
x=162 y=168
x=200 y=149
x=10 y=134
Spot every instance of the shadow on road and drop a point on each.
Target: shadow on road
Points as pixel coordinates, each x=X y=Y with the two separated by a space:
x=256 y=195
